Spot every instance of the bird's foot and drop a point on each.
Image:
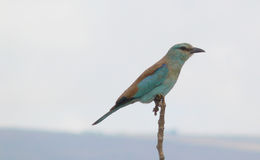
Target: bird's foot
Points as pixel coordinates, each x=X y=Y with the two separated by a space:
x=158 y=98
x=155 y=110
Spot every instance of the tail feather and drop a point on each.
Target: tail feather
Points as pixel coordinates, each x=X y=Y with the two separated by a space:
x=122 y=102
x=106 y=115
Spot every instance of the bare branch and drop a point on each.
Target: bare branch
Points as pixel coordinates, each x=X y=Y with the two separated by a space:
x=160 y=102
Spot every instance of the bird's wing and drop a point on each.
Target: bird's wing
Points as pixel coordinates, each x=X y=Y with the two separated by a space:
x=147 y=81
x=152 y=81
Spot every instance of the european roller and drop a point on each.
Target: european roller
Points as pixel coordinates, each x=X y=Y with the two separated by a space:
x=158 y=79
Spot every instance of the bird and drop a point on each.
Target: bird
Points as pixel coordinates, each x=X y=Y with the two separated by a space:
x=158 y=79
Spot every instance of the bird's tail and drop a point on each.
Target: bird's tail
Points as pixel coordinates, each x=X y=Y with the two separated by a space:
x=106 y=115
x=122 y=102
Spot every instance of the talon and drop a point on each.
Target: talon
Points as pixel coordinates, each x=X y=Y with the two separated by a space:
x=155 y=110
x=157 y=99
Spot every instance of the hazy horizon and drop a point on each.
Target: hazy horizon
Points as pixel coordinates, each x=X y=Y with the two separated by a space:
x=16 y=144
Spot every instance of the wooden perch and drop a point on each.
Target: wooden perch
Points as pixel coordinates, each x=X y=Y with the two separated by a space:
x=160 y=102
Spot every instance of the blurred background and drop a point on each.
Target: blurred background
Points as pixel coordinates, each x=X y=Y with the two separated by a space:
x=64 y=63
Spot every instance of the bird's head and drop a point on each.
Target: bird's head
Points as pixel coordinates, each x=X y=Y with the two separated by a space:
x=183 y=51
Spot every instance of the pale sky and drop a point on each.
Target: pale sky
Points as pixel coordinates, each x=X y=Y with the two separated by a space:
x=64 y=63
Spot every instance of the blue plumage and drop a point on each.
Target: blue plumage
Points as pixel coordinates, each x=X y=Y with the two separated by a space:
x=156 y=80
x=152 y=81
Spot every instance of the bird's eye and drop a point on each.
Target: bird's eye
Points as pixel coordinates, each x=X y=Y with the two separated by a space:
x=183 y=48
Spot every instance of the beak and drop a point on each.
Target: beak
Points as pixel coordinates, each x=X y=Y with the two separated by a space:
x=196 y=50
